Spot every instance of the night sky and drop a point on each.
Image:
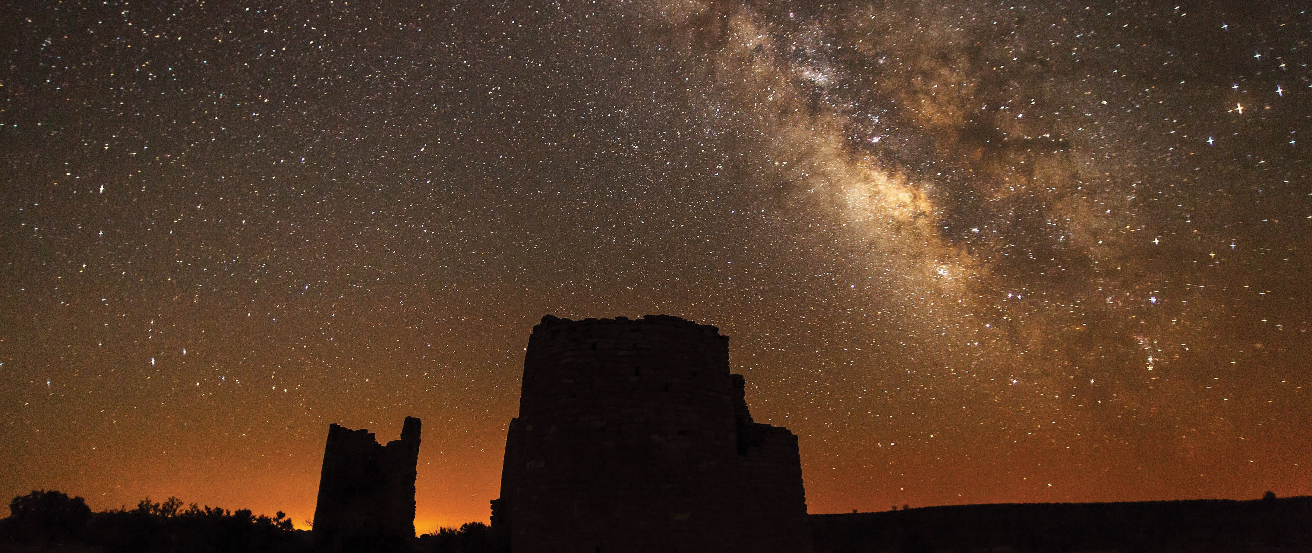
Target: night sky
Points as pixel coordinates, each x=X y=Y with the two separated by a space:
x=984 y=252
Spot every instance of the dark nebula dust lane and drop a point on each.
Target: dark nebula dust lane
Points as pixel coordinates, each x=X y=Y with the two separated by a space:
x=973 y=253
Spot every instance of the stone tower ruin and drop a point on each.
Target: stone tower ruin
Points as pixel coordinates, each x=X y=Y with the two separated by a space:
x=633 y=435
x=367 y=491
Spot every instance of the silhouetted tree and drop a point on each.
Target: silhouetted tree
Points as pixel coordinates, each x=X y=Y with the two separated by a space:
x=47 y=516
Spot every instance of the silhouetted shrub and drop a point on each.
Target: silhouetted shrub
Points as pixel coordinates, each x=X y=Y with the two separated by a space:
x=472 y=537
x=46 y=516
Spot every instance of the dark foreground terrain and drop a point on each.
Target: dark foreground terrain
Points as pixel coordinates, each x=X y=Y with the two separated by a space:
x=52 y=521
x=1266 y=525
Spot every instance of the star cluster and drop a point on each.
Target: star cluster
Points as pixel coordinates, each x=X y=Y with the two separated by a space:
x=978 y=252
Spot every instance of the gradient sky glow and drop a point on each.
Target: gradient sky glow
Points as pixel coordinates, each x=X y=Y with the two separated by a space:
x=975 y=253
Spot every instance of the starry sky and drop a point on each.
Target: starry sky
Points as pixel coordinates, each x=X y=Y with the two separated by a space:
x=969 y=253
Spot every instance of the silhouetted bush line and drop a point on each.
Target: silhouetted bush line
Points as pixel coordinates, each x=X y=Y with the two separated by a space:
x=471 y=537
x=53 y=521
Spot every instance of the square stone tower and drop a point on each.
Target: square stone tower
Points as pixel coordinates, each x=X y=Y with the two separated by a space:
x=367 y=491
x=633 y=435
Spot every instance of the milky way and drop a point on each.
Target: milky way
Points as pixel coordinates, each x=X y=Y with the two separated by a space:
x=983 y=252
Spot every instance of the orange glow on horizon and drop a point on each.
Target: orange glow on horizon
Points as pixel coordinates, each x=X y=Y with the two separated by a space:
x=965 y=254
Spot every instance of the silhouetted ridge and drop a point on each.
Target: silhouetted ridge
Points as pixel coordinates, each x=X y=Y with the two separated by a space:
x=1268 y=526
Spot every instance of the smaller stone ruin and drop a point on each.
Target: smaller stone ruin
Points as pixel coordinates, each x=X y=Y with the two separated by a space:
x=367 y=491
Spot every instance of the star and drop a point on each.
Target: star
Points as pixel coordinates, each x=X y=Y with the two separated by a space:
x=352 y=203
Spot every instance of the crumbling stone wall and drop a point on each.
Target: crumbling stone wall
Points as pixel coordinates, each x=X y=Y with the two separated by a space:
x=367 y=491
x=633 y=435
